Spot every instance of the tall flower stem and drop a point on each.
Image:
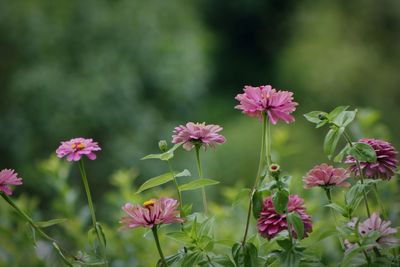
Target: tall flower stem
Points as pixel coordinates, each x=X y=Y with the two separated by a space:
x=155 y=234
x=177 y=187
x=261 y=163
x=378 y=199
x=200 y=171
x=329 y=197
x=346 y=136
x=91 y=207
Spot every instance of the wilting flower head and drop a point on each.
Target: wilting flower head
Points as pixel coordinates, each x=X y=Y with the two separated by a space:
x=270 y=223
x=325 y=175
x=384 y=167
x=76 y=147
x=193 y=134
x=277 y=104
x=8 y=177
x=153 y=212
x=386 y=238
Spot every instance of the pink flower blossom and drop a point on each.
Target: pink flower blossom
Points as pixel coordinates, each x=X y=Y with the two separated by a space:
x=384 y=167
x=153 y=212
x=326 y=175
x=8 y=177
x=277 y=104
x=76 y=147
x=270 y=223
x=193 y=134
x=386 y=238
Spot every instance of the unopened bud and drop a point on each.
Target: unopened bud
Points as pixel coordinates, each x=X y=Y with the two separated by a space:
x=163 y=145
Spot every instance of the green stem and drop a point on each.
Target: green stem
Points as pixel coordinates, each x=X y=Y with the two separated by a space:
x=378 y=199
x=200 y=171
x=365 y=254
x=154 y=230
x=259 y=171
x=329 y=197
x=346 y=136
x=91 y=207
x=177 y=188
x=268 y=143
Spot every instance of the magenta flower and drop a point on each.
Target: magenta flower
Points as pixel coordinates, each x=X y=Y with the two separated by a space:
x=198 y=134
x=386 y=238
x=8 y=177
x=325 y=175
x=76 y=147
x=270 y=223
x=384 y=167
x=153 y=212
x=277 y=104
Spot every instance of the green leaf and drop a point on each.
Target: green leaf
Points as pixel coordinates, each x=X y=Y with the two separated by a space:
x=334 y=113
x=245 y=255
x=295 y=220
x=196 y=184
x=49 y=223
x=327 y=233
x=192 y=258
x=363 y=152
x=222 y=261
x=280 y=200
x=331 y=141
x=175 y=258
x=180 y=237
x=286 y=244
x=184 y=173
x=345 y=118
x=156 y=181
x=338 y=208
x=163 y=156
x=207 y=227
x=101 y=234
x=314 y=116
x=257 y=204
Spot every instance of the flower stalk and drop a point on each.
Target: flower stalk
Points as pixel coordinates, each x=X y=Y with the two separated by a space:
x=200 y=171
x=155 y=234
x=263 y=156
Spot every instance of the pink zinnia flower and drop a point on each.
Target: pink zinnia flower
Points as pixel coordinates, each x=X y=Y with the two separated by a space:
x=277 y=104
x=384 y=167
x=8 y=177
x=76 y=147
x=193 y=134
x=386 y=238
x=270 y=223
x=325 y=175
x=153 y=212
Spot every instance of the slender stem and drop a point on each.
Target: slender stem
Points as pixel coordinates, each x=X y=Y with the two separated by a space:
x=154 y=230
x=365 y=254
x=346 y=136
x=91 y=207
x=259 y=171
x=199 y=169
x=329 y=197
x=378 y=199
x=268 y=143
x=177 y=187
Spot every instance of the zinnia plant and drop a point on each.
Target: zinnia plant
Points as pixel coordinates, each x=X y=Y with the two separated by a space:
x=278 y=229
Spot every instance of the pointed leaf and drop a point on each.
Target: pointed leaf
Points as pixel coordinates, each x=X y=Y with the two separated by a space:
x=338 y=110
x=257 y=204
x=163 y=156
x=156 y=181
x=295 y=220
x=331 y=141
x=196 y=184
x=280 y=200
x=49 y=223
x=314 y=116
x=363 y=152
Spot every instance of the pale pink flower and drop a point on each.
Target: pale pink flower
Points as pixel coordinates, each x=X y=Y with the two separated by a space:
x=193 y=134
x=8 y=177
x=385 y=165
x=326 y=175
x=386 y=238
x=270 y=223
x=278 y=105
x=153 y=212
x=75 y=148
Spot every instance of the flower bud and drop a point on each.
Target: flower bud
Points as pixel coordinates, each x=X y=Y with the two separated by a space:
x=274 y=170
x=163 y=145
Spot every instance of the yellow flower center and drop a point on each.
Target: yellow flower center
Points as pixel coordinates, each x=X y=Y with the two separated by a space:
x=149 y=203
x=78 y=146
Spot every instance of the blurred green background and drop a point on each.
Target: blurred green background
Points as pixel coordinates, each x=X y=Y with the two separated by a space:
x=126 y=72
